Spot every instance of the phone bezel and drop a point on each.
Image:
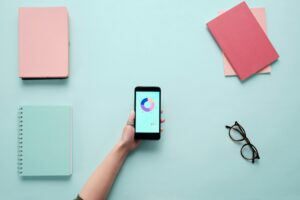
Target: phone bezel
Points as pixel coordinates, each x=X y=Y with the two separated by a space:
x=142 y=135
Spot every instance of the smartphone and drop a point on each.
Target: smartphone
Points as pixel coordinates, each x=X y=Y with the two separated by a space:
x=147 y=107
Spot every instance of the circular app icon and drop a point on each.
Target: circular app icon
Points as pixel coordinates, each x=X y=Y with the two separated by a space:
x=147 y=104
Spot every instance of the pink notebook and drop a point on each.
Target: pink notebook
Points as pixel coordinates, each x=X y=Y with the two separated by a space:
x=243 y=41
x=260 y=16
x=43 y=42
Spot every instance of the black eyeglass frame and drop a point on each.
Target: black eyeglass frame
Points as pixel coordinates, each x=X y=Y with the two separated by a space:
x=242 y=131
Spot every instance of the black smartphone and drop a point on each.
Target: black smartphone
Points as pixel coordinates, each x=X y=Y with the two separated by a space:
x=147 y=107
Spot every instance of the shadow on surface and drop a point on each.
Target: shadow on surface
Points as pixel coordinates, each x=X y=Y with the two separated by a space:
x=45 y=178
x=148 y=146
x=33 y=82
x=263 y=74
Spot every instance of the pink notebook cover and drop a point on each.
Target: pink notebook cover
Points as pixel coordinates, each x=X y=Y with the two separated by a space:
x=243 y=41
x=260 y=16
x=43 y=42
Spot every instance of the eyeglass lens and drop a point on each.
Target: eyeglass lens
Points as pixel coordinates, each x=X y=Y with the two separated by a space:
x=236 y=133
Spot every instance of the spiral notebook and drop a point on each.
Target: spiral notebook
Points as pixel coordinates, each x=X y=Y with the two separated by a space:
x=45 y=141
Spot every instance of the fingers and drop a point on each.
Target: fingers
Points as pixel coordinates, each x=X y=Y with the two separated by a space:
x=138 y=142
x=131 y=117
x=162 y=121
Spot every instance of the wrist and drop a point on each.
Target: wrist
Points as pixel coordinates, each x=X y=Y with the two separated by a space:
x=122 y=148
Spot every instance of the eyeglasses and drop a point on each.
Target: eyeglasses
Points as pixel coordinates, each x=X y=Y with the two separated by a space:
x=237 y=134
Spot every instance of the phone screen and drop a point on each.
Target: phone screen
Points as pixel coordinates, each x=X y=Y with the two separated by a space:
x=147 y=108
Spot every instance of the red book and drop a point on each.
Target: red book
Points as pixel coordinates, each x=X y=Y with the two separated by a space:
x=243 y=41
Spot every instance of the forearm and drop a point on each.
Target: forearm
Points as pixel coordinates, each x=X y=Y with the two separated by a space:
x=100 y=182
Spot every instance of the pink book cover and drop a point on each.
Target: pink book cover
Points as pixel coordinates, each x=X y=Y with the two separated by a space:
x=43 y=42
x=260 y=16
x=243 y=41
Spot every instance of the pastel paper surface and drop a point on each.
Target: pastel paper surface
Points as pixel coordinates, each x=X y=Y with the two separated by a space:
x=260 y=15
x=243 y=41
x=46 y=141
x=43 y=42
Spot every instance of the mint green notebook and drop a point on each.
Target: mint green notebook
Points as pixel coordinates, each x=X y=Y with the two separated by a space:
x=45 y=141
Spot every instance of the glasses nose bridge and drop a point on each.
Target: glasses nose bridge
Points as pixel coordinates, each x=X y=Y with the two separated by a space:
x=247 y=140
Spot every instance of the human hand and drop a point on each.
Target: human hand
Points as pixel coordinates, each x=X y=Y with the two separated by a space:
x=127 y=139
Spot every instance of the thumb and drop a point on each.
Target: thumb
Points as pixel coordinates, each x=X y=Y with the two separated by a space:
x=131 y=116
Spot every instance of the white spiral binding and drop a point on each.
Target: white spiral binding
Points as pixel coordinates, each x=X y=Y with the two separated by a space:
x=20 y=141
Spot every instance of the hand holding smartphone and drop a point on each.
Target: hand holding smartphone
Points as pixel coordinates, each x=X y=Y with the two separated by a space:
x=147 y=107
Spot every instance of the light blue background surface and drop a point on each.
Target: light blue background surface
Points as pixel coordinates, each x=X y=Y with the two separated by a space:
x=147 y=122
x=114 y=44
